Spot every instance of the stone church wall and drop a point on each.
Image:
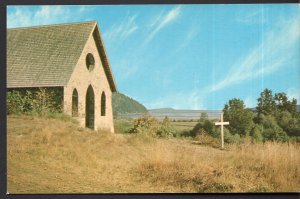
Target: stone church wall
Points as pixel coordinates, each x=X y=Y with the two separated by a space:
x=81 y=79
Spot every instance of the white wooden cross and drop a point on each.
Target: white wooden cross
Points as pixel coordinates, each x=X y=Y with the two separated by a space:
x=222 y=129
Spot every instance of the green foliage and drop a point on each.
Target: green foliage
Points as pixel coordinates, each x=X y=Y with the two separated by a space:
x=283 y=104
x=166 y=129
x=204 y=125
x=230 y=138
x=266 y=103
x=240 y=118
x=17 y=103
x=276 y=119
x=256 y=133
x=123 y=104
x=34 y=101
x=271 y=130
x=150 y=126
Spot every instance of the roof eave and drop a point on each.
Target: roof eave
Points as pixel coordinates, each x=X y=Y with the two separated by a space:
x=104 y=58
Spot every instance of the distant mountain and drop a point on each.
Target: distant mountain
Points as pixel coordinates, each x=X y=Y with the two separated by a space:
x=158 y=110
x=181 y=114
x=123 y=104
x=298 y=108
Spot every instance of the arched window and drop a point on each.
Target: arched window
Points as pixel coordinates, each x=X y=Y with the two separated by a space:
x=103 y=104
x=74 y=103
x=90 y=108
x=90 y=62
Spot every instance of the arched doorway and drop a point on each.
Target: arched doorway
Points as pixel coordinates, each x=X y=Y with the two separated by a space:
x=89 y=108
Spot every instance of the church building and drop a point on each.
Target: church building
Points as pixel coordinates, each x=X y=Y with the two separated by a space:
x=70 y=58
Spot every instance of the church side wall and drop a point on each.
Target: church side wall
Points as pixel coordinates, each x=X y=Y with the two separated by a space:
x=81 y=79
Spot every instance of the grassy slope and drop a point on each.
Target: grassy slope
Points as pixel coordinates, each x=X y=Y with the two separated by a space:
x=52 y=156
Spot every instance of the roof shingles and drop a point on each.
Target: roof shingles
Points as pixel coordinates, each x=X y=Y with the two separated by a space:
x=46 y=55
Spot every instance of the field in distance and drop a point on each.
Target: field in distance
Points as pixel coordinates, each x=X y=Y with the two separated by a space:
x=54 y=156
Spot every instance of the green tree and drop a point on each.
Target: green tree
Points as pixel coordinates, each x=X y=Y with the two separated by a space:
x=266 y=103
x=240 y=118
x=284 y=104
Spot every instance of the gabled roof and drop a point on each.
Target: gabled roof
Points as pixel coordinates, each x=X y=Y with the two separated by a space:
x=45 y=56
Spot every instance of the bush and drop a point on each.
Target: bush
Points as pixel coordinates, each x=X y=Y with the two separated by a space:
x=150 y=126
x=230 y=138
x=271 y=130
x=166 y=129
x=34 y=101
x=16 y=103
x=256 y=134
x=207 y=125
x=204 y=139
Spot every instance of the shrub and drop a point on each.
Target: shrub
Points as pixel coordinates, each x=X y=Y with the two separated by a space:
x=150 y=126
x=145 y=124
x=16 y=103
x=34 y=101
x=207 y=125
x=204 y=139
x=230 y=138
x=271 y=130
x=256 y=134
x=166 y=129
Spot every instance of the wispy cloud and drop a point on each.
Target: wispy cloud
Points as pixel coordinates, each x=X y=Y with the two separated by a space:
x=272 y=54
x=22 y=16
x=161 y=21
x=252 y=17
x=180 y=100
x=122 y=30
x=188 y=39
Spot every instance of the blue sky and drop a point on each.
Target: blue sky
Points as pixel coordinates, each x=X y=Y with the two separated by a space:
x=190 y=56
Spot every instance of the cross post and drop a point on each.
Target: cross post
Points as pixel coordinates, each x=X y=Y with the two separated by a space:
x=222 y=129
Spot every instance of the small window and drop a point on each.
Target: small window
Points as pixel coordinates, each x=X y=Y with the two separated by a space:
x=103 y=104
x=90 y=62
x=75 y=103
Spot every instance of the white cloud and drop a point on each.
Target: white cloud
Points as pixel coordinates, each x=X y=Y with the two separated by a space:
x=273 y=53
x=122 y=30
x=22 y=16
x=161 y=22
x=294 y=93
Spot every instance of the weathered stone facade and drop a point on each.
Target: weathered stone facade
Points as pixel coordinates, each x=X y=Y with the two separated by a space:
x=81 y=79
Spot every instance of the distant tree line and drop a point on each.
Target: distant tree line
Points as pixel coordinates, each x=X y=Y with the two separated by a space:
x=275 y=118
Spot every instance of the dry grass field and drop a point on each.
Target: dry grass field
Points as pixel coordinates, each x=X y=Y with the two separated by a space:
x=54 y=156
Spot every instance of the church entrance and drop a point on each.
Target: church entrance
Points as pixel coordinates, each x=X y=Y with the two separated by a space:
x=89 y=108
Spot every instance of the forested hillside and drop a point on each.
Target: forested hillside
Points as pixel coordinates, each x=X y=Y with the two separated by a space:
x=124 y=104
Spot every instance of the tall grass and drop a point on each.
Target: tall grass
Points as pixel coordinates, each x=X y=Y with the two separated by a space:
x=47 y=155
